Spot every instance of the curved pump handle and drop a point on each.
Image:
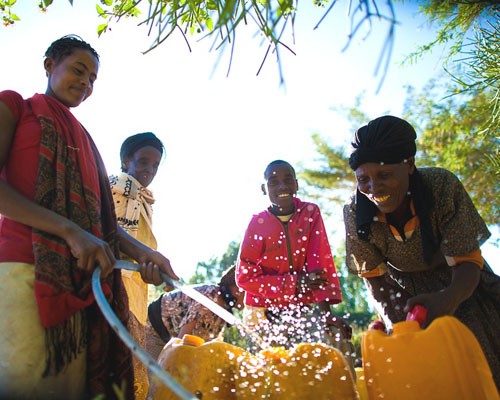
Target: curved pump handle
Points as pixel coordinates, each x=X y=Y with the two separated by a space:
x=418 y=313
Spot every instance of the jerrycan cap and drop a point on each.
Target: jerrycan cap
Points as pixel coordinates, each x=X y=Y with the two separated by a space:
x=418 y=313
x=192 y=340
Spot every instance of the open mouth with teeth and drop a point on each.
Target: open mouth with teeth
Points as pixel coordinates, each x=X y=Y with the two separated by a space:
x=380 y=199
x=282 y=195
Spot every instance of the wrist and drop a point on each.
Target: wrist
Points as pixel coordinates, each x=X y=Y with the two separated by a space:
x=452 y=297
x=66 y=230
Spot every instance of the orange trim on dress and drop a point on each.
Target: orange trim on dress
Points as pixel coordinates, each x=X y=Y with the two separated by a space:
x=379 y=270
x=474 y=257
x=409 y=228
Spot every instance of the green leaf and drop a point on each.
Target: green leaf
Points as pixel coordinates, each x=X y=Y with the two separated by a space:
x=100 y=10
x=101 y=29
x=210 y=24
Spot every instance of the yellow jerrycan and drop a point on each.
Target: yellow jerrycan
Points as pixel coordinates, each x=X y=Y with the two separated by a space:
x=306 y=371
x=206 y=369
x=361 y=384
x=444 y=361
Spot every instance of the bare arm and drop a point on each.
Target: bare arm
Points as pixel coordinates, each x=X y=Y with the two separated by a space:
x=85 y=247
x=152 y=261
x=465 y=278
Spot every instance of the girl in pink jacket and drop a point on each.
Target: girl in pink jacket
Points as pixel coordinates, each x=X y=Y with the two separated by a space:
x=286 y=267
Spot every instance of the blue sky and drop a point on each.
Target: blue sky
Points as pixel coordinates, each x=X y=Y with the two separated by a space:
x=220 y=132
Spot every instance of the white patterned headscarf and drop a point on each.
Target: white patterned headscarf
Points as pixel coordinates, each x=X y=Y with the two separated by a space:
x=135 y=200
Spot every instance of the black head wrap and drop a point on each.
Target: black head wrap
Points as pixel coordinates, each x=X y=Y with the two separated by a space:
x=390 y=140
x=386 y=139
x=138 y=141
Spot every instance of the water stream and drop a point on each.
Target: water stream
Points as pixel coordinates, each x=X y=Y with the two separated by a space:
x=207 y=302
x=218 y=310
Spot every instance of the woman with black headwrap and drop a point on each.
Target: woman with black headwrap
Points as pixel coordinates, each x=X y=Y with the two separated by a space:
x=415 y=236
x=140 y=157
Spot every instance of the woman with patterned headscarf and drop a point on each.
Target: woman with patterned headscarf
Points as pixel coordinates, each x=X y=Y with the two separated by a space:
x=140 y=156
x=414 y=235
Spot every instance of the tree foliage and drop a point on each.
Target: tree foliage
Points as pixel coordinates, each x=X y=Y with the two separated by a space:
x=273 y=21
x=331 y=180
x=472 y=28
x=453 y=133
x=456 y=21
x=210 y=271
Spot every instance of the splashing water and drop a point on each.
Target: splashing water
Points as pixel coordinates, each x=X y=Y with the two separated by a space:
x=221 y=312
x=205 y=301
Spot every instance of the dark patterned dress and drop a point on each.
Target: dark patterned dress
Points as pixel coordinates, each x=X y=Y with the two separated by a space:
x=176 y=310
x=459 y=231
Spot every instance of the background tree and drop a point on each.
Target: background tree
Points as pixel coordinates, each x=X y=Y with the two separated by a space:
x=472 y=29
x=450 y=134
x=211 y=271
x=220 y=20
x=454 y=134
x=331 y=180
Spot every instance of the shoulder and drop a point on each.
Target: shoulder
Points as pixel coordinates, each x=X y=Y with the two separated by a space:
x=14 y=101
x=349 y=214
x=208 y=290
x=10 y=95
x=260 y=217
x=350 y=204
x=442 y=183
x=211 y=291
x=436 y=176
x=306 y=206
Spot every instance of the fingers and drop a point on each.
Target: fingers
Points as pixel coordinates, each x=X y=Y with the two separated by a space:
x=90 y=250
x=154 y=263
x=150 y=273
x=106 y=260
x=101 y=255
x=166 y=268
x=317 y=278
x=410 y=303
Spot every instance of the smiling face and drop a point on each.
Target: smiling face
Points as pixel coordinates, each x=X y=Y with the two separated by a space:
x=281 y=187
x=71 y=80
x=143 y=164
x=386 y=185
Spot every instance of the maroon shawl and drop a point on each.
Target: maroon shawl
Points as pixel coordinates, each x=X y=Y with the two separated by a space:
x=72 y=181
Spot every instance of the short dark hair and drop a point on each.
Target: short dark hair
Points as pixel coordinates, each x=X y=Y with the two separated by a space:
x=66 y=45
x=137 y=142
x=273 y=164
